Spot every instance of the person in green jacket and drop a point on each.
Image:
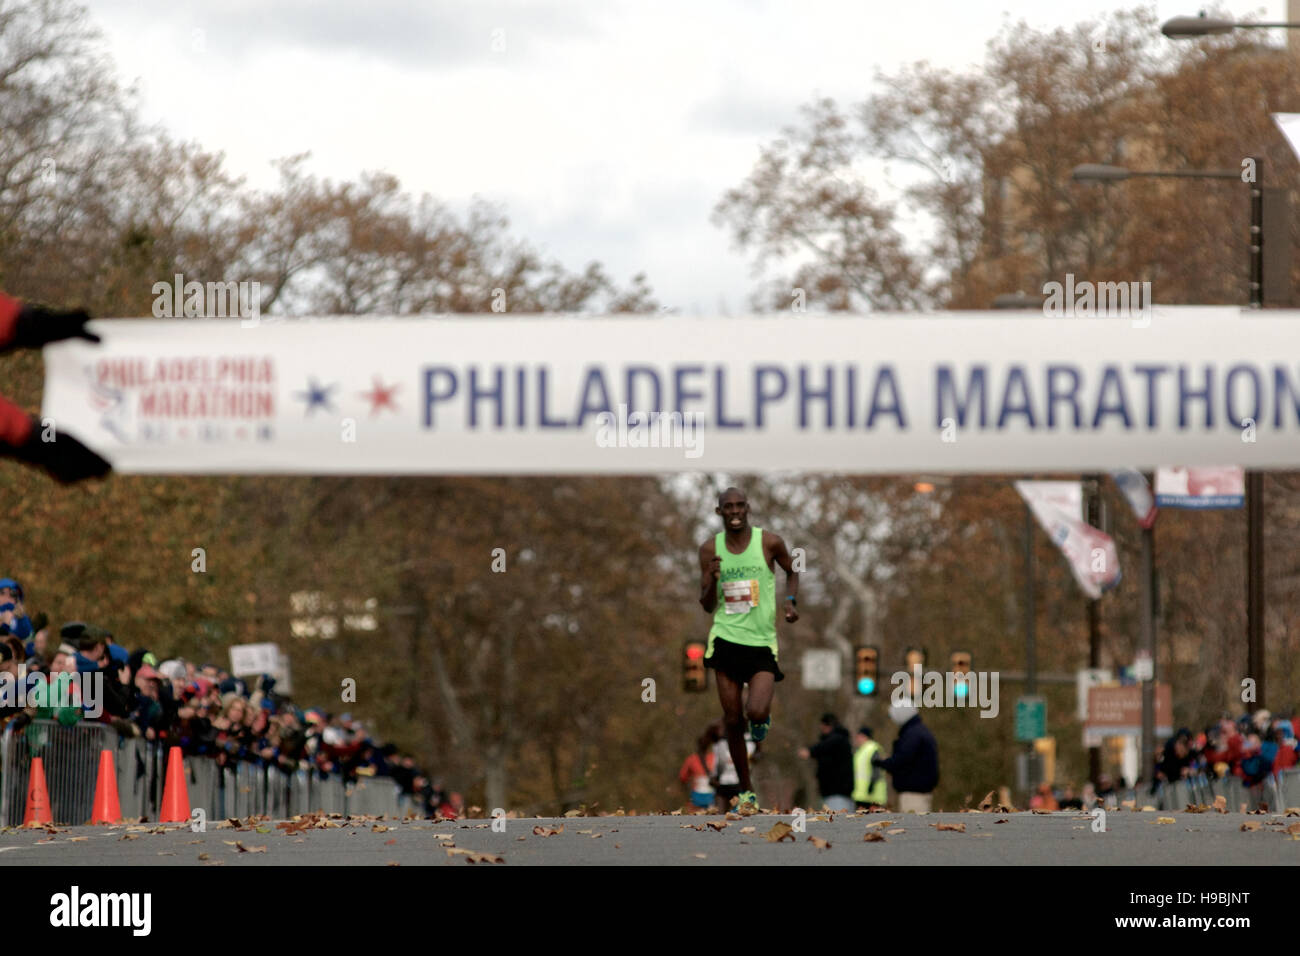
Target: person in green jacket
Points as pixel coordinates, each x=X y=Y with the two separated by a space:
x=868 y=781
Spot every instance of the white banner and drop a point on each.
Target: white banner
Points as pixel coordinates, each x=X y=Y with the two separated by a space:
x=1205 y=487
x=952 y=392
x=1091 y=554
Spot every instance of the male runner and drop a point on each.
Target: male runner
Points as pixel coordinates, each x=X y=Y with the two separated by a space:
x=738 y=587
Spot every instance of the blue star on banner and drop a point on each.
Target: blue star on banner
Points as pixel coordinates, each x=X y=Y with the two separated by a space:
x=316 y=395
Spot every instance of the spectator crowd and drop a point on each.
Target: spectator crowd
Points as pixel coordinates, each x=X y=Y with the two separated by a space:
x=199 y=707
x=1251 y=748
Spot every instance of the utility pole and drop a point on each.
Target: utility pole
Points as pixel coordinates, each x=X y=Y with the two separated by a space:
x=1092 y=496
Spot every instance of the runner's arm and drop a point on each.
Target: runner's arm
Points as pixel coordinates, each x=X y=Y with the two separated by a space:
x=781 y=554
x=710 y=569
x=23 y=325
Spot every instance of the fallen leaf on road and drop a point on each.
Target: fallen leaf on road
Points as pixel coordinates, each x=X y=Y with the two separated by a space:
x=779 y=832
x=379 y=828
x=1293 y=828
x=443 y=836
x=78 y=839
x=996 y=822
x=719 y=827
x=484 y=858
x=746 y=829
x=896 y=831
x=819 y=843
x=1293 y=811
x=701 y=856
x=879 y=823
x=1250 y=825
x=129 y=836
x=618 y=846
x=1165 y=820
x=597 y=836
x=249 y=849
x=548 y=831
x=203 y=856
x=389 y=842
x=987 y=802
x=871 y=836
x=393 y=863
x=957 y=827
x=1193 y=808
x=573 y=813
x=733 y=816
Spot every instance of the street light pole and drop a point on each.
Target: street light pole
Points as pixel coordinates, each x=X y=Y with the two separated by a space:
x=1254 y=479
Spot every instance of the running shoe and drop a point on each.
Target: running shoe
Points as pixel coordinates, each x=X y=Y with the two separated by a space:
x=758 y=731
x=746 y=803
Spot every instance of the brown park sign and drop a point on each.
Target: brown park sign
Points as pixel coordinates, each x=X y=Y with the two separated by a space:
x=1113 y=711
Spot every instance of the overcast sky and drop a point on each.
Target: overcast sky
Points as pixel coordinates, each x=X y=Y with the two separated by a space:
x=608 y=129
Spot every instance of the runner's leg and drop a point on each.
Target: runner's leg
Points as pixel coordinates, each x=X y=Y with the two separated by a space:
x=761 y=687
x=733 y=721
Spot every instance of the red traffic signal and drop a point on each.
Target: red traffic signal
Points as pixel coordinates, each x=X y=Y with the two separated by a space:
x=694 y=677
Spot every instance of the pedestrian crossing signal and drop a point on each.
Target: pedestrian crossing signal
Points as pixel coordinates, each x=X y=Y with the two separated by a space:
x=694 y=678
x=867 y=676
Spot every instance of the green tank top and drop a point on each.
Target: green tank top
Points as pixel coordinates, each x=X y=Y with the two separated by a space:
x=746 y=611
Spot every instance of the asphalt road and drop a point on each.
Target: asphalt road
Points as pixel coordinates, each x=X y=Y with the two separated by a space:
x=1063 y=839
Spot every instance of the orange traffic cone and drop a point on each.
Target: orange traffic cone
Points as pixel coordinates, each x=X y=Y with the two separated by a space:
x=107 y=807
x=176 y=796
x=38 y=797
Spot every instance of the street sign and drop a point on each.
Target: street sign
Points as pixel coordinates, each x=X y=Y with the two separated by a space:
x=1084 y=679
x=1117 y=712
x=821 y=670
x=1031 y=718
x=1143 y=666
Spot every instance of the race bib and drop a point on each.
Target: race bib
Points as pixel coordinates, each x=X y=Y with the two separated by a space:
x=740 y=596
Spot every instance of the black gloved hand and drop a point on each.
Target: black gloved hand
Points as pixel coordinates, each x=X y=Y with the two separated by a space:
x=65 y=458
x=38 y=325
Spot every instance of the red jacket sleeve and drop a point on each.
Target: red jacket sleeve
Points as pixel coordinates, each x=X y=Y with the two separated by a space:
x=9 y=309
x=15 y=424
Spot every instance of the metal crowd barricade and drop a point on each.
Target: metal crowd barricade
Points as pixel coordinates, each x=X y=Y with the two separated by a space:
x=374 y=796
x=71 y=759
x=70 y=756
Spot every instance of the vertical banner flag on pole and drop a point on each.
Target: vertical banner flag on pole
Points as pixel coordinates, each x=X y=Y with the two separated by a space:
x=1289 y=124
x=1058 y=506
x=1133 y=484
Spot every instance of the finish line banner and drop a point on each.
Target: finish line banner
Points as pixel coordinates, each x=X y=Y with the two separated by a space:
x=896 y=394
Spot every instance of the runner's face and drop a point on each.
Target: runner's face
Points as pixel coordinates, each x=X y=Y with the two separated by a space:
x=735 y=513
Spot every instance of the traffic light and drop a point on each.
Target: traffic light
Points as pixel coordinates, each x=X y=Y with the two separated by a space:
x=694 y=678
x=914 y=664
x=960 y=666
x=867 y=682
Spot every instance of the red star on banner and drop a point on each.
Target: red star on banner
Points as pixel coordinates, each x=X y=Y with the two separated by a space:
x=380 y=396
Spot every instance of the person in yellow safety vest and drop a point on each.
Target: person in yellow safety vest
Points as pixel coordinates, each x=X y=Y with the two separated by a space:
x=869 y=788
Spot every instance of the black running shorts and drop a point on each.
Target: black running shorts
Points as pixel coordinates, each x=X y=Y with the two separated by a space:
x=740 y=662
